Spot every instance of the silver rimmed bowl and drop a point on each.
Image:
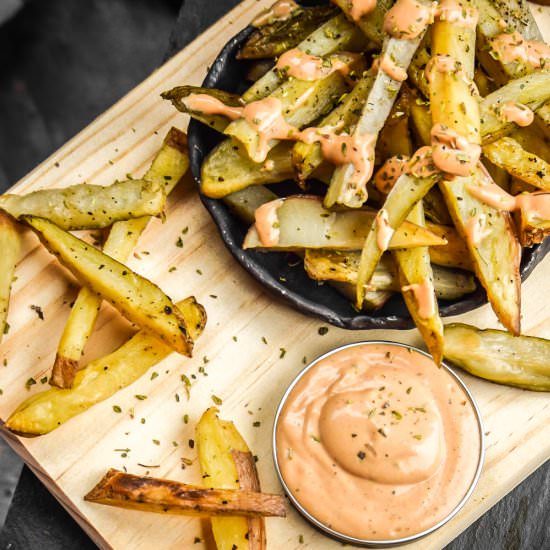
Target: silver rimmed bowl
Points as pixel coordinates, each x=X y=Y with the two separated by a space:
x=376 y=543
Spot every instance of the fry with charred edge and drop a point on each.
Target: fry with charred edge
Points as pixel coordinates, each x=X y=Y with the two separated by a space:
x=178 y=95
x=528 y=167
x=168 y=167
x=271 y=40
x=138 y=299
x=337 y=34
x=226 y=461
x=495 y=355
x=45 y=411
x=531 y=231
x=163 y=496
x=416 y=280
x=86 y=206
x=301 y=221
x=490 y=237
x=9 y=246
x=341 y=266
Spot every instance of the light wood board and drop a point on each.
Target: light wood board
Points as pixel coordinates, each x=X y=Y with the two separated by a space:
x=247 y=373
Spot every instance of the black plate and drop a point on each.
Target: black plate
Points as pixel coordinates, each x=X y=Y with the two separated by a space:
x=279 y=272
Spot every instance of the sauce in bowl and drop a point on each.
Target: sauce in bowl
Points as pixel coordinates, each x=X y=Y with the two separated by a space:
x=374 y=442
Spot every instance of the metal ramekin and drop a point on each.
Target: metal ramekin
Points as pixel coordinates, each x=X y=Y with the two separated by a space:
x=365 y=542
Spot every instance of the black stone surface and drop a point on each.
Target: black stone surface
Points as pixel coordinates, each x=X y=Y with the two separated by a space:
x=35 y=521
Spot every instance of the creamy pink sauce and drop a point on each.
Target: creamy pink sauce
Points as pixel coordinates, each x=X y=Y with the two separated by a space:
x=279 y=11
x=266 y=118
x=209 y=105
x=452 y=11
x=422 y=164
x=384 y=231
x=267 y=222
x=386 y=64
x=408 y=19
x=424 y=296
x=512 y=111
x=453 y=153
x=389 y=172
x=376 y=442
x=442 y=63
x=343 y=148
x=513 y=48
x=304 y=66
x=476 y=229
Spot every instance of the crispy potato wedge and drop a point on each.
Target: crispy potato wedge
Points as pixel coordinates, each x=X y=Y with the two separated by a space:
x=435 y=209
x=138 y=299
x=226 y=461
x=495 y=355
x=226 y=170
x=45 y=411
x=496 y=255
x=415 y=272
x=163 y=496
x=406 y=192
x=508 y=154
x=530 y=139
x=86 y=206
x=516 y=14
x=337 y=34
x=273 y=39
x=178 y=94
x=168 y=167
x=374 y=299
x=244 y=203
x=341 y=266
x=531 y=231
x=303 y=222
x=10 y=246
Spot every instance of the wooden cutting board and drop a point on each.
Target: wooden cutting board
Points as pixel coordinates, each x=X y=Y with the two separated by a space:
x=241 y=350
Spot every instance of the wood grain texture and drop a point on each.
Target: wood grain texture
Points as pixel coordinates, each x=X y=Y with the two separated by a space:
x=247 y=374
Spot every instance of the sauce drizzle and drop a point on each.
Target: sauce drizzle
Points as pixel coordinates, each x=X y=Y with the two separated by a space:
x=453 y=153
x=454 y=12
x=303 y=66
x=279 y=11
x=424 y=296
x=512 y=111
x=384 y=231
x=408 y=19
x=267 y=222
x=513 y=48
x=210 y=105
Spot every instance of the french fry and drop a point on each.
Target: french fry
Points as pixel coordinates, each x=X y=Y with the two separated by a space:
x=509 y=155
x=245 y=203
x=224 y=457
x=138 y=299
x=45 y=411
x=343 y=190
x=516 y=14
x=226 y=171
x=10 y=246
x=374 y=299
x=455 y=253
x=273 y=39
x=341 y=266
x=178 y=94
x=337 y=34
x=168 y=167
x=163 y=496
x=531 y=231
x=86 y=206
x=303 y=222
x=495 y=355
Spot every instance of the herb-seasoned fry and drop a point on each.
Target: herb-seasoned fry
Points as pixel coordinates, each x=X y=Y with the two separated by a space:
x=9 y=245
x=522 y=361
x=168 y=167
x=89 y=206
x=163 y=496
x=45 y=411
x=138 y=299
x=319 y=228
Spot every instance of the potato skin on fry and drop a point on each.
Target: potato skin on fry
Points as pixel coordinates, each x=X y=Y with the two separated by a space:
x=86 y=206
x=149 y=494
x=495 y=355
x=45 y=411
x=9 y=246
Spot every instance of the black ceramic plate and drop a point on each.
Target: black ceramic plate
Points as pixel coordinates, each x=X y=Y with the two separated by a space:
x=280 y=272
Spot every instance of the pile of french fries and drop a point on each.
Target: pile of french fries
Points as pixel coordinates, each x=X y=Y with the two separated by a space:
x=125 y=209
x=230 y=495
x=408 y=233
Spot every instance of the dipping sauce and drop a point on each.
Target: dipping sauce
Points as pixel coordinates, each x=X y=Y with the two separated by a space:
x=375 y=442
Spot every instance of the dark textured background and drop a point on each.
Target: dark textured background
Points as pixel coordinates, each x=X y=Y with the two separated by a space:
x=62 y=63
